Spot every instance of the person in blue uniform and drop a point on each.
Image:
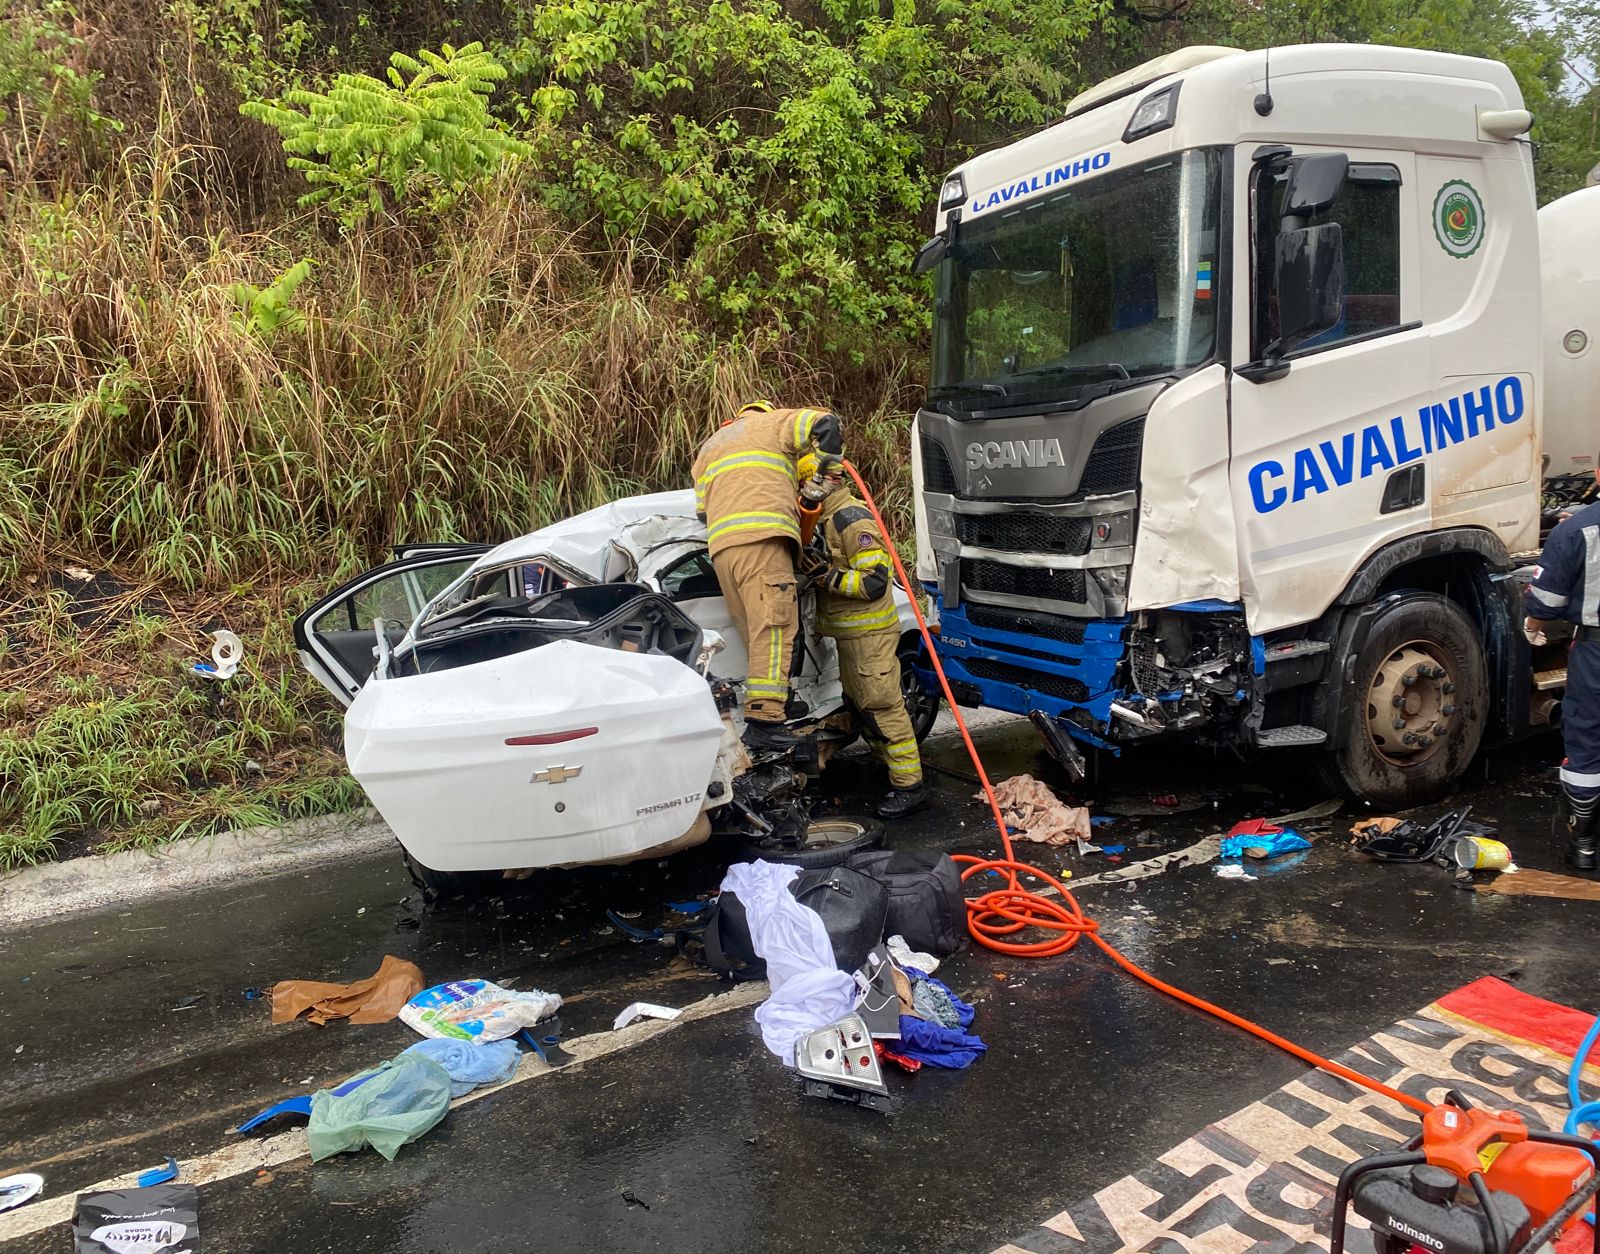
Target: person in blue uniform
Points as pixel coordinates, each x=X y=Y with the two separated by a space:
x=1568 y=587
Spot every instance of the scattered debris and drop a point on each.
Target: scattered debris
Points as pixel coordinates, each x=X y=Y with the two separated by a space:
x=1033 y=812
x=1402 y=840
x=644 y=1010
x=1543 y=884
x=263 y=1176
x=164 y=1216
x=252 y=994
x=1233 y=871
x=376 y=999
x=637 y=934
x=1258 y=838
x=632 y=1199
x=904 y=956
x=227 y=652
x=189 y=1003
x=80 y=573
x=687 y=907
x=1167 y=801
x=477 y=1010
x=839 y=1061
x=20 y=1188
x=1479 y=853
x=389 y=1106
x=158 y=1175
x=469 y=1064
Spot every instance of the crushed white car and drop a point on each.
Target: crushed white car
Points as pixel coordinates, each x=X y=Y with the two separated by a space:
x=571 y=697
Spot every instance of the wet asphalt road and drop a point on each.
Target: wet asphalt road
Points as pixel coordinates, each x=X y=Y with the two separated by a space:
x=127 y=1037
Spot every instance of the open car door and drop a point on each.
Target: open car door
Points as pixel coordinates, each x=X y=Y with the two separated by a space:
x=335 y=636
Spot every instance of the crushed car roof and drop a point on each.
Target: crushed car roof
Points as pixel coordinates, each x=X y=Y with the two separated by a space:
x=588 y=543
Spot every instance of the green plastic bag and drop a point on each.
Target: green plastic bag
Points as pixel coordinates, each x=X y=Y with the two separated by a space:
x=387 y=1107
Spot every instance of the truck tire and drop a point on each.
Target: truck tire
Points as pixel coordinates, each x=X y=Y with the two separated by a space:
x=921 y=705
x=1420 y=701
x=828 y=842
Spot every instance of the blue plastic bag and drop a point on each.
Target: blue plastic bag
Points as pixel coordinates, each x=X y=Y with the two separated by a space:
x=1286 y=841
x=469 y=1064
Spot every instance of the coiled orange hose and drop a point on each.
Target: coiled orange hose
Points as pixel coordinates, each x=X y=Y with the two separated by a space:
x=996 y=918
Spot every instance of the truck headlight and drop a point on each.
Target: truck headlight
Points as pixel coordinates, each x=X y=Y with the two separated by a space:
x=1156 y=112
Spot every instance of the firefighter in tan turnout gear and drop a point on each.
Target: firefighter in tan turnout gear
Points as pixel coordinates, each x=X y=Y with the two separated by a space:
x=848 y=563
x=748 y=488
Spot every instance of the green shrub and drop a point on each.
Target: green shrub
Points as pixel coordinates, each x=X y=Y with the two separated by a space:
x=415 y=142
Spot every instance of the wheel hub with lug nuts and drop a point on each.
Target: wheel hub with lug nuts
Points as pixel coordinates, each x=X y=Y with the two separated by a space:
x=1410 y=703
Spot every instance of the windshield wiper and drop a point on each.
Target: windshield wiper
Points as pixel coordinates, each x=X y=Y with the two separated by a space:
x=947 y=390
x=1057 y=371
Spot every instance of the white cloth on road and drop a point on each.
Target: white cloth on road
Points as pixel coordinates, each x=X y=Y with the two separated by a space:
x=808 y=990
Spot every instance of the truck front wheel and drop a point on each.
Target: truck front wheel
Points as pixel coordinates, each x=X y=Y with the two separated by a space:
x=1419 y=702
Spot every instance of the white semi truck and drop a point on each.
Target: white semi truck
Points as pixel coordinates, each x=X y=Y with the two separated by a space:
x=1248 y=403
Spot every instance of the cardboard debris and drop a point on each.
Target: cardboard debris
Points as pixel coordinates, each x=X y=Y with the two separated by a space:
x=376 y=999
x=1528 y=883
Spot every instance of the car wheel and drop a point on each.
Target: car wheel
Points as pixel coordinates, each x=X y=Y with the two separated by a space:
x=828 y=842
x=442 y=885
x=1421 y=699
x=921 y=704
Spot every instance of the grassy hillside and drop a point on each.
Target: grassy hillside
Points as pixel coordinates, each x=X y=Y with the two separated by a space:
x=284 y=283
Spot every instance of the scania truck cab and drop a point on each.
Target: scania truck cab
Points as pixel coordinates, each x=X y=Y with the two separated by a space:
x=1235 y=423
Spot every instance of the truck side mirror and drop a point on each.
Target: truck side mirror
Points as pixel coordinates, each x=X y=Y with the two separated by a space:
x=1314 y=184
x=1310 y=268
x=930 y=255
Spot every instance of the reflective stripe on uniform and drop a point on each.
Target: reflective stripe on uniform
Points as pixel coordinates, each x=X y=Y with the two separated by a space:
x=867 y=620
x=753 y=520
x=753 y=459
x=803 y=422
x=1553 y=599
x=869 y=559
x=1591 y=577
x=849 y=583
x=1580 y=779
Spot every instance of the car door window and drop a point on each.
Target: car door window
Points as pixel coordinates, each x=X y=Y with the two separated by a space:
x=336 y=634
x=692 y=579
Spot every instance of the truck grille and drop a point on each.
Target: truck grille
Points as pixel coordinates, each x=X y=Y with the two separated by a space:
x=1063 y=686
x=1025 y=533
x=937 y=473
x=1049 y=626
x=981 y=575
x=1113 y=464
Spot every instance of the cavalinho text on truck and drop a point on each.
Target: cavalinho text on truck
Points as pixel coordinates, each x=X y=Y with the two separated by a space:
x=1255 y=381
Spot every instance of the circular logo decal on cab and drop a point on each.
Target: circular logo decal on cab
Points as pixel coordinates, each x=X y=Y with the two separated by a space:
x=1458 y=218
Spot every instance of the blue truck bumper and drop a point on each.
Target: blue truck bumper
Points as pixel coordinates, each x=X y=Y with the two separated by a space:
x=1009 y=670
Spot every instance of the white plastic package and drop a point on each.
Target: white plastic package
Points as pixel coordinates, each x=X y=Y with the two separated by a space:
x=477 y=1010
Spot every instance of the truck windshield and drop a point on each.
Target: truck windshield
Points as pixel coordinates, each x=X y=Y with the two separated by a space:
x=1111 y=280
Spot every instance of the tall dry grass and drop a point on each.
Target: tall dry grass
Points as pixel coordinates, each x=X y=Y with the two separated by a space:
x=475 y=381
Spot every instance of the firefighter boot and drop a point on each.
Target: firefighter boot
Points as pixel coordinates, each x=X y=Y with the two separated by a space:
x=1583 y=835
x=762 y=737
x=903 y=802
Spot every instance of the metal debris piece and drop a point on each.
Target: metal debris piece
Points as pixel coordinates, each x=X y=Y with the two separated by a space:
x=838 y=1061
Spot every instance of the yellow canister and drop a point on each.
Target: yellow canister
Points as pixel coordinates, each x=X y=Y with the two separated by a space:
x=1478 y=853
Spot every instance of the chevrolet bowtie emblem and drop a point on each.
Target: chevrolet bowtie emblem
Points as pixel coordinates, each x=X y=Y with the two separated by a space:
x=557 y=775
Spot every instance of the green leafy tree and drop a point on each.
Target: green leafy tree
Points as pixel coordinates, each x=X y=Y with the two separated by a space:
x=417 y=141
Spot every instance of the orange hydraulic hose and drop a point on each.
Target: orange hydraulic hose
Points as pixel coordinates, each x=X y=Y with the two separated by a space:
x=996 y=917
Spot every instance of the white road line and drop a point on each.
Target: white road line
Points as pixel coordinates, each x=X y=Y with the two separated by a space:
x=249 y=1154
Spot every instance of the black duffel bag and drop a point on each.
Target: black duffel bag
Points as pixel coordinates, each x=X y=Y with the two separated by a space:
x=926 y=904
x=853 y=908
